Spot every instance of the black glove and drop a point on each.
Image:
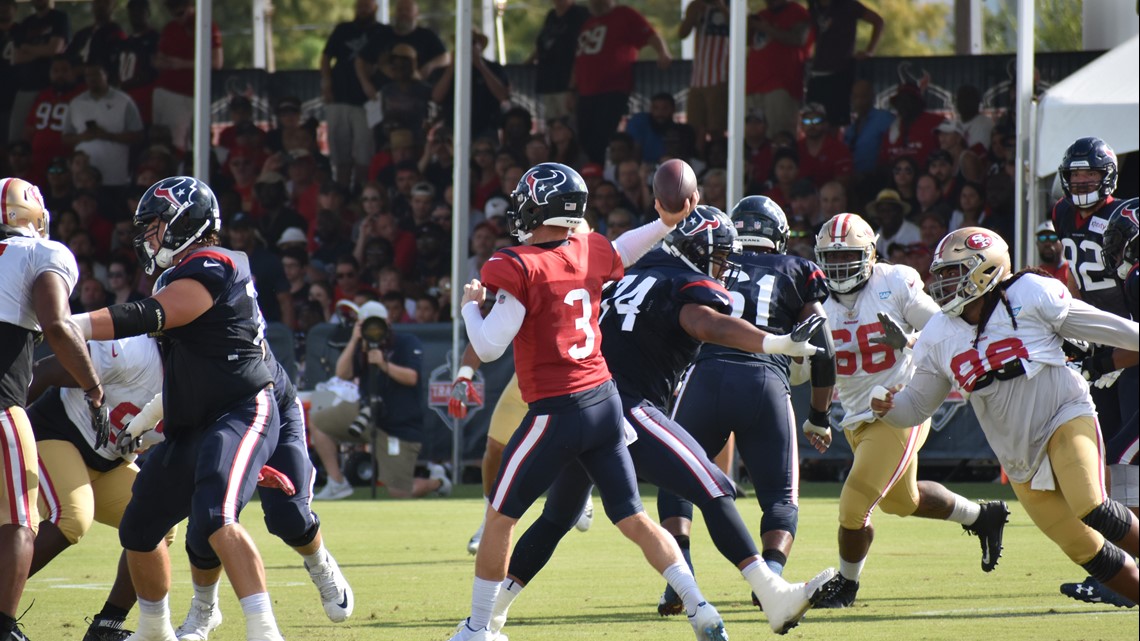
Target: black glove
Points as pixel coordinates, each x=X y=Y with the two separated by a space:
x=101 y=421
x=893 y=334
x=125 y=445
x=1076 y=350
x=1097 y=365
x=807 y=328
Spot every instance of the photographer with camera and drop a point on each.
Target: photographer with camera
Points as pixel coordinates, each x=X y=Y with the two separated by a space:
x=386 y=366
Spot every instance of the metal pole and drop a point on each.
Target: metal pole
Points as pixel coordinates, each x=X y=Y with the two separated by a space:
x=1023 y=215
x=689 y=43
x=489 y=30
x=461 y=179
x=737 y=59
x=202 y=97
x=382 y=15
x=500 y=8
x=259 y=34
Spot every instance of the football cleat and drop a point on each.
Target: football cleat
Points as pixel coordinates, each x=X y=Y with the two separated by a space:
x=756 y=602
x=670 y=603
x=336 y=593
x=200 y=622
x=143 y=634
x=786 y=603
x=437 y=472
x=473 y=544
x=15 y=635
x=707 y=623
x=841 y=593
x=463 y=632
x=334 y=491
x=1092 y=591
x=586 y=519
x=106 y=630
x=989 y=528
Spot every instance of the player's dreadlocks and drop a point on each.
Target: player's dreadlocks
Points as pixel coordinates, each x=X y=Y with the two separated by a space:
x=991 y=298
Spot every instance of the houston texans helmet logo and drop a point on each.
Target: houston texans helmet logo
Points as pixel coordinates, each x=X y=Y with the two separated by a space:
x=178 y=192
x=697 y=223
x=543 y=181
x=1129 y=212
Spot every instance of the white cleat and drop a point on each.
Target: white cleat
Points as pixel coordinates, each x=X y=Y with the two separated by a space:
x=463 y=632
x=587 y=517
x=333 y=491
x=200 y=621
x=707 y=623
x=473 y=544
x=437 y=472
x=152 y=633
x=786 y=603
x=336 y=593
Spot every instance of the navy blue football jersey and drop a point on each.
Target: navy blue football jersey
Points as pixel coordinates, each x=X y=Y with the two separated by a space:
x=217 y=359
x=643 y=342
x=1132 y=291
x=1083 y=242
x=771 y=293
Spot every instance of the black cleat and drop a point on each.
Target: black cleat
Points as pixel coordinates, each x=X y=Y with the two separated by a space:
x=756 y=602
x=841 y=593
x=1092 y=591
x=670 y=604
x=989 y=528
x=15 y=635
x=106 y=630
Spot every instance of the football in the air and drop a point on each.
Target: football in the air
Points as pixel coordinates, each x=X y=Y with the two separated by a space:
x=674 y=183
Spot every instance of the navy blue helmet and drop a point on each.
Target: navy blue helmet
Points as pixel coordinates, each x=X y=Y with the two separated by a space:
x=1089 y=153
x=549 y=193
x=704 y=240
x=760 y=222
x=189 y=209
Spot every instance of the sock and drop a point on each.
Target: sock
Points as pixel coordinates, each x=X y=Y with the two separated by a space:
x=205 y=593
x=509 y=590
x=684 y=543
x=851 y=570
x=683 y=582
x=7 y=623
x=112 y=612
x=154 y=612
x=259 y=621
x=761 y=578
x=256 y=604
x=965 y=511
x=775 y=560
x=483 y=595
x=315 y=559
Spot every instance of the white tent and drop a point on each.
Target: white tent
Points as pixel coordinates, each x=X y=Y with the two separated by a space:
x=1101 y=99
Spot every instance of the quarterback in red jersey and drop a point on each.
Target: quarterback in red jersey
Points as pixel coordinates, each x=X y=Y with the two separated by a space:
x=545 y=297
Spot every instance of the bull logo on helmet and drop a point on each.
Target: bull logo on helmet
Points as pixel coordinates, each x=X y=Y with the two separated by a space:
x=979 y=241
x=702 y=224
x=543 y=181
x=1129 y=212
x=177 y=193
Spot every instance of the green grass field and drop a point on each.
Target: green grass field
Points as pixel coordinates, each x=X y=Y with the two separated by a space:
x=411 y=574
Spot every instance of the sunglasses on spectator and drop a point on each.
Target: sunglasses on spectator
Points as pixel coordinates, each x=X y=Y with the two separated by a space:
x=1047 y=238
x=812 y=120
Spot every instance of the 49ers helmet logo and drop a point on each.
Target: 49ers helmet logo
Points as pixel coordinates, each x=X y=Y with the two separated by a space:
x=979 y=241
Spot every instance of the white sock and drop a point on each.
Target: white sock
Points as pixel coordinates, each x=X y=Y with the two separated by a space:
x=684 y=584
x=851 y=570
x=509 y=590
x=256 y=604
x=965 y=511
x=155 y=610
x=761 y=578
x=483 y=595
x=316 y=558
x=207 y=594
x=259 y=621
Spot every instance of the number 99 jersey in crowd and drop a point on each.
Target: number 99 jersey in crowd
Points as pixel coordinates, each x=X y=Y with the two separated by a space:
x=770 y=292
x=217 y=359
x=644 y=343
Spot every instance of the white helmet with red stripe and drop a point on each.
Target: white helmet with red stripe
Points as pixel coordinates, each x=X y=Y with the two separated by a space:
x=22 y=206
x=845 y=249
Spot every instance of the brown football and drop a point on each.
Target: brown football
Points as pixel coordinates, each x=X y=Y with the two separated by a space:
x=674 y=183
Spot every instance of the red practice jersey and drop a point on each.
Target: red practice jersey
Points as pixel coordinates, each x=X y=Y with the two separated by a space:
x=558 y=348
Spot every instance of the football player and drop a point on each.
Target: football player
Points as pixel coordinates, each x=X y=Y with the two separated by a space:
x=1088 y=173
x=653 y=323
x=221 y=420
x=39 y=276
x=731 y=391
x=545 y=297
x=875 y=310
x=998 y=339
x=1120 y=256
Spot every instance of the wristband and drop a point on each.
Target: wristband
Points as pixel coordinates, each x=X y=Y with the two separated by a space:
x=466 y=372
x=93 y=387
x=819 y=417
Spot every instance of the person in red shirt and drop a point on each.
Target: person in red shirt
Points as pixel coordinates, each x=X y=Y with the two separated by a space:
x=173 y=99
x=544 y=298
x=781 y=39
x=303 y=185
x=823 y=158
x=44 y=125
x=603 y=70
x=913 y=132
x=758 y=149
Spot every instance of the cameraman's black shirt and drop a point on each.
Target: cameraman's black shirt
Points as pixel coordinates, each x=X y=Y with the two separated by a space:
x=403 y=416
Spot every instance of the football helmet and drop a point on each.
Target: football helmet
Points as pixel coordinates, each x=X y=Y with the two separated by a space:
x=967 y=263
x=190 y=210
x=549 y=193
x=22 y=206
x=1089 y=153
x=835 y=245
x=703 y=241
x=760 y=222
x=1120 y=251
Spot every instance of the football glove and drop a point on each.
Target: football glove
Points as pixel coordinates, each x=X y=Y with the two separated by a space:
x=796 y=342
x=100 y=421
x=893 y=334
x=271 y=478
x=463 y=394
x=1099 y=365
x=818 y=423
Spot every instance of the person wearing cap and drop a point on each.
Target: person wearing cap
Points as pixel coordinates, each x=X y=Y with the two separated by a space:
x=965 y=163
x=173 y=99
x=888 y=214
x=34 y=43
x=490 y=90
x=823 y=157
x=834 y=61
x=350 y=140
x=1051 y=253
x=868 y=126
x=272 y=287
x=553 y=56
x=405 y=99
x=780 y=37
x=386 y=367
x=913 y=131
x=422 y=202
x=136 y=58
x=291 y=132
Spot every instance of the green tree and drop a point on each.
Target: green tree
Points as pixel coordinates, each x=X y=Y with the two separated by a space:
x=1057 y=28
x=911 y=28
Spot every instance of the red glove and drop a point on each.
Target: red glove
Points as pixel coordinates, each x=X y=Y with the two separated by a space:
x=463 y=394
x=269 y=477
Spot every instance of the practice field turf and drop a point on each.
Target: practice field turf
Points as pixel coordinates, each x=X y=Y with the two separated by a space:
x=412 y=577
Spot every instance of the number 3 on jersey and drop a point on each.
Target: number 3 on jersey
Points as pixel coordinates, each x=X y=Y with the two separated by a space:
x=582 y=323
x=874 y=357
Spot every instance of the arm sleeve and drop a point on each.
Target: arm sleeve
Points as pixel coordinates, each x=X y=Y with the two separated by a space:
x=919 y=399
x=1087 y=323
x=635 y=243
x=490 y=336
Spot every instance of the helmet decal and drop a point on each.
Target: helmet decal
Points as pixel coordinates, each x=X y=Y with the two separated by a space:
x=706 y=223
x=979 y=241
x=177 y=194
x=542 y=181
x=1129 y=212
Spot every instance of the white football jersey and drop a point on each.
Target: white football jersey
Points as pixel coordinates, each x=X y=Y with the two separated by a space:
x=22 y=260
x=1018 y=415
x=860 y=365
x=131 y=372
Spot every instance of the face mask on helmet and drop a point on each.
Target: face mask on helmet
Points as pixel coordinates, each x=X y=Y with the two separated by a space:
x=760 y=224
x=189 y=209
x=704 y=241
x=548 y=194
x=965 y=267
x=1120 y=242
x=1088 y=154
x=846 y=269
